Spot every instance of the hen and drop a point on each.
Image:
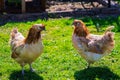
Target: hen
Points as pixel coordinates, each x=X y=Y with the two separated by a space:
x=26 y=50
x=92 y=47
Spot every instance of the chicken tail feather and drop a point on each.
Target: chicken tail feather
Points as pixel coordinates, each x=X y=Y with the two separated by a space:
x=14 y=31
x=109 y=35
x=109 y=29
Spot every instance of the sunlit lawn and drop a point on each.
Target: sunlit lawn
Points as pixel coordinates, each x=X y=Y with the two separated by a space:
x=59 y=61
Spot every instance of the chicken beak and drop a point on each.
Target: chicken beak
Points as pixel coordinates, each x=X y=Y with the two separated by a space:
x=72 y=23
x=44 y=29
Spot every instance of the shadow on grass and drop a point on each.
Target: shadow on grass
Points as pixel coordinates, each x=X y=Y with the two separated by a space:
x=0 y=74
x=16 y=75
x=96 y=73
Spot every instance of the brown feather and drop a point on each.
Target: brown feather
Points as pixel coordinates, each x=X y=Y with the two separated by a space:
x=33 y=36
x=27 y=50
x=14 y=55
x=101 y=45
x=92 y=47
x=80 y=28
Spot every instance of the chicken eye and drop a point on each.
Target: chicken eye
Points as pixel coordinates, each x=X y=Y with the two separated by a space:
x=39 y=28
x=78 y=24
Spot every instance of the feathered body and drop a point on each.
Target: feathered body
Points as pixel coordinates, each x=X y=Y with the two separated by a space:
x=92 y=47
x=26 y=50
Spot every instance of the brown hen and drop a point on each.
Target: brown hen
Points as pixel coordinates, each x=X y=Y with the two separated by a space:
x=92 y=47
x=26 y=50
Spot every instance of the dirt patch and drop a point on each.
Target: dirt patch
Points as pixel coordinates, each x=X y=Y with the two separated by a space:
x=55 y=6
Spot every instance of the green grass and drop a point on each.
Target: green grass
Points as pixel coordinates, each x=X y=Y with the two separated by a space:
x=59 y=61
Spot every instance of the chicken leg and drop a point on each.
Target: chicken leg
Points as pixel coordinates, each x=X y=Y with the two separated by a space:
x=23 y=70
x=31 y=69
